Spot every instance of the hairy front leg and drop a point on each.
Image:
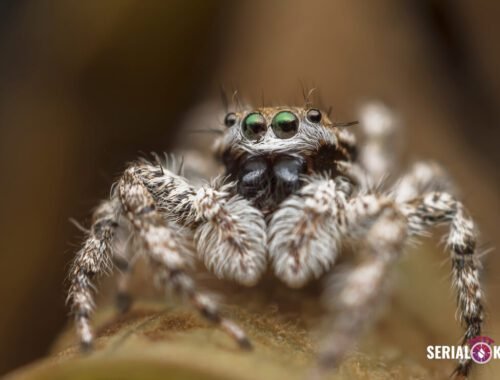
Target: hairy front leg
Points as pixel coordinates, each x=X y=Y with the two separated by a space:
x=167 y=248
x=232 y=235
x=304 y=232
x=151 y=203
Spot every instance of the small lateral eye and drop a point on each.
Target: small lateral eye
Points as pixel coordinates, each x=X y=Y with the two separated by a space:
x=230 y=119
x=285 y=124
x=314 y=115
x=254 y=126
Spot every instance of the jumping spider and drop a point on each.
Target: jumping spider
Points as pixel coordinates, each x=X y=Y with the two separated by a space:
x=296 y=188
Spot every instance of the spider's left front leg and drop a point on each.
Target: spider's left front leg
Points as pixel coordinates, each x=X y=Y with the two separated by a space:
x=304 y=238
x=304 y=235
x=380 y=228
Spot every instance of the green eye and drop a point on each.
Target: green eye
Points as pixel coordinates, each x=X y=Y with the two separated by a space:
x=285 y=124
x=254 y=126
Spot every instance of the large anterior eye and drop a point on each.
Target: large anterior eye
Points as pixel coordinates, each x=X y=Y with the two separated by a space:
x=285 y=124
x=254 y=126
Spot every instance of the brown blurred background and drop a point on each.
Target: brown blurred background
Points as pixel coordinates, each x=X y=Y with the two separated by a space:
x=86 y=85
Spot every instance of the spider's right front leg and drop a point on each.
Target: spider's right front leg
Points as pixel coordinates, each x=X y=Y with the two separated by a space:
x=230 y=234
x=145 y=188
x=156 y=202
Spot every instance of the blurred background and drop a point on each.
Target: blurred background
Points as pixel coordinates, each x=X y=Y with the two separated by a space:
x=87 y=85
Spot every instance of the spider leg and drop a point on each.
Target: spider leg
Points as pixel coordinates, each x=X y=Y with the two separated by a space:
x=94 y=258
x=378 y=156
x=229 y=232
x=357 y=174
x=231 y=236
x=381 y=228
x=436 y=208
x=304 y=234
x=158 y=208
x=167 y=250
x=123 y=298
x=423 y=177
x=426 y=195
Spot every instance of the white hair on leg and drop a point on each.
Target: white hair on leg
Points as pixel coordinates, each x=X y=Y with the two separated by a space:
x=93 y=259
x=437 y=208
x=304 y=232
x=166 y=245
x=422 y=177
x=382 y=232
x=231 y=237
x=379 y=125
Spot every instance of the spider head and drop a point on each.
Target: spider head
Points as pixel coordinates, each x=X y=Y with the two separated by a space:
x=268 y=150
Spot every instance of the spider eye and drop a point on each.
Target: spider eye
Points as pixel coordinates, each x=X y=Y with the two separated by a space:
x=230 y=119
x=285 y=124
x=254 y=126
x=314 y=115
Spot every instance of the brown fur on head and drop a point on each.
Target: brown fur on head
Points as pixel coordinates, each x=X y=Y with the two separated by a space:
x=268 y=150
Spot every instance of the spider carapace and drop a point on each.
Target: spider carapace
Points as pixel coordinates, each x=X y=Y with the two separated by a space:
x=272 y=150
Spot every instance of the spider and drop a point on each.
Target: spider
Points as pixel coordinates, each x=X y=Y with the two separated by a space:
x=297 y=188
